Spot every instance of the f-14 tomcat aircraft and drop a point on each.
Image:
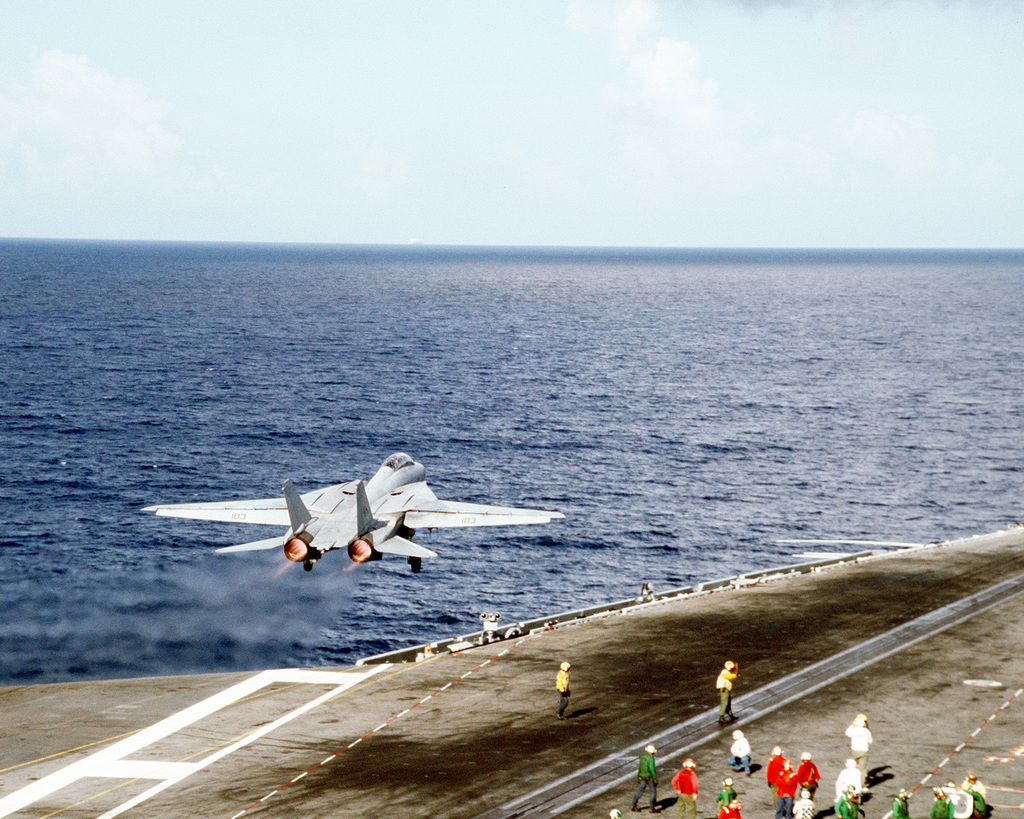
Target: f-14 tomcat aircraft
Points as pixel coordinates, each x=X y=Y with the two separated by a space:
x=369 y=518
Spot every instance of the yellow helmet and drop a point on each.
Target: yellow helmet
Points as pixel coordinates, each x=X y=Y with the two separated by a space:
x=565 y=666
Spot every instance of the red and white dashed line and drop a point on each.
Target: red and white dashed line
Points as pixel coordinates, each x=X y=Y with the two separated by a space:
x=380 y=727
x=962 y=745
x=974 y=733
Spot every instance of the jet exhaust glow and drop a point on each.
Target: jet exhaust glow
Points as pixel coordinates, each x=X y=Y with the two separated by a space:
x=359 y=551
x=296 y=550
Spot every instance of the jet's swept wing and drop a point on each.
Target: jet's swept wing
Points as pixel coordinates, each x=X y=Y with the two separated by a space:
x=328 y=501
x=269 y=512
x=367 y=518
x=438 y=513
x=419 y=508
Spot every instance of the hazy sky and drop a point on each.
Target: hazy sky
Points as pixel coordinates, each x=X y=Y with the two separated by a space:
x=851 y=123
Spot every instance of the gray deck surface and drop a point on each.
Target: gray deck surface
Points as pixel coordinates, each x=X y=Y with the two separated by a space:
x=474 y=734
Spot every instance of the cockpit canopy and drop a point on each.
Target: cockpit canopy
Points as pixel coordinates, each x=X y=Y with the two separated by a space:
x=398 y=461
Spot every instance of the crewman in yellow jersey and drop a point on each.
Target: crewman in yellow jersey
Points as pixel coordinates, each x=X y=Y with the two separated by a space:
x=724 y=686
x=562 y=684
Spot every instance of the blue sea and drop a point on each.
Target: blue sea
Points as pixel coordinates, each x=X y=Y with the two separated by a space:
x=683 y=408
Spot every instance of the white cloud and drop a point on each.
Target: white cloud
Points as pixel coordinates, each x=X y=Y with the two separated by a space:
x=662 y=75
x=900 y=144
x=632 y=24
x=75 y=129
x=669 y=83
x=624 y=23
x=807 y=145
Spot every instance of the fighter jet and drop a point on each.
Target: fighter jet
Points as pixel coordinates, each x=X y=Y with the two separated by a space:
x=368 y=518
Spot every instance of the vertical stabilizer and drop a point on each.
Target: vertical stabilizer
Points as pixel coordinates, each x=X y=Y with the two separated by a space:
x=364 y=516
x=297 y=511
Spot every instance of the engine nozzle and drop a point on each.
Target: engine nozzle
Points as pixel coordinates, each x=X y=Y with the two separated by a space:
x=296 y=550
x=359 y=551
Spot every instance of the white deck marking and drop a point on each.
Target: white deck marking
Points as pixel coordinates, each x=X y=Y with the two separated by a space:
x=380 y=727
x=110 y=762
x=139 y=769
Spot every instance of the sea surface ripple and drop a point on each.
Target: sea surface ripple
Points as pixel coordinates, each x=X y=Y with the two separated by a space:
x=684 y=409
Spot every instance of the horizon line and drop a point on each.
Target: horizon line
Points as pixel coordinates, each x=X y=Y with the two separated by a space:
x=422 y=245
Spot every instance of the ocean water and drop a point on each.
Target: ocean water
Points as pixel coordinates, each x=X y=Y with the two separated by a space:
x=684 y=409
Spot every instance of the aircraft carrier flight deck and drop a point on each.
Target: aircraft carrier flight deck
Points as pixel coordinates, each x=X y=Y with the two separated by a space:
x=925 y=642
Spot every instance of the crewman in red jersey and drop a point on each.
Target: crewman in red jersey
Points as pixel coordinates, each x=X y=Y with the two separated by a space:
x=807 y=774
x=772 y=771
x=731 y=811
x=685 y=784
x=786 y=785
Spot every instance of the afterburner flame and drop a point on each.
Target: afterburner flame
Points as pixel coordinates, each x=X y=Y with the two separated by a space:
x=360 y=551
x=296 y=550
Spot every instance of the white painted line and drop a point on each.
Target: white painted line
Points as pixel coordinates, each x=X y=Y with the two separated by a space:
x=139 y=769
x=111 y=762
x=371 y=733
x=246 y=740
x=304 y=675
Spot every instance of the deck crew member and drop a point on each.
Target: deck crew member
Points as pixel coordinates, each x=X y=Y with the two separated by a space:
x=685 y=784
x=724 y=685
x=562 y=685
x=647 y=775
x=860 y=744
